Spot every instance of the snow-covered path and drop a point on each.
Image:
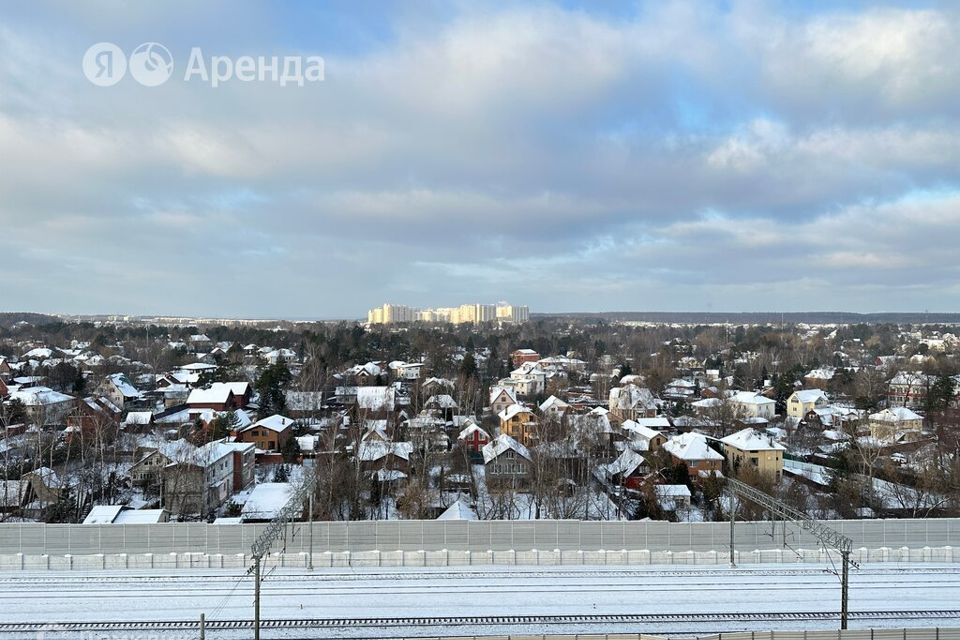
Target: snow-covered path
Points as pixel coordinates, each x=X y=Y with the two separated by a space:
x=378 y=593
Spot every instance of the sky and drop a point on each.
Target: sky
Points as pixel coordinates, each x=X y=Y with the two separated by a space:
x=572 y=156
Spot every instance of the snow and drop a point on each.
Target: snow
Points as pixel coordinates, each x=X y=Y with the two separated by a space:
x=500 y=445
x=275 y=422
x=484 y=591
x=459 y=510
x=690 y=447
x=750 y=439
x=266 y=500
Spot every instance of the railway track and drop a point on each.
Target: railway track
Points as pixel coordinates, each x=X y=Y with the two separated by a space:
x=61 y=578
x=475 y=621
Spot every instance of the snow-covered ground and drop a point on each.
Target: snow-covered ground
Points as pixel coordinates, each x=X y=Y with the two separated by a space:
x=443 y=592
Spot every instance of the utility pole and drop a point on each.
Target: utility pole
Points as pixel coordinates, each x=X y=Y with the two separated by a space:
x=844 y=588
x=203 y=626
x=826 y=535
x=256 y=598
x=733 y=519
x=277 y=530
x=310 y=532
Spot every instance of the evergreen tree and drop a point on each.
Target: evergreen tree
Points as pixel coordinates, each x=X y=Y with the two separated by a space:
x=272 y=385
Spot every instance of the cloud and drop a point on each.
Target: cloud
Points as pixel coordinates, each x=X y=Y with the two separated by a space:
x=677 y=155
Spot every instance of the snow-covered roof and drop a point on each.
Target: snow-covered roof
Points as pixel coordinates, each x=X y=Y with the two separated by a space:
x=459 y=510
x=470 y=429
x=103 y=514
x=690 y=446
x=625 y=464
x=373 y=450
x=631 y=396
x=275 y=422
x=442 y=401
x=642 y=430
x=376 y=398
x=502 y=443
x=304 y=400
x=512 y=411
x=123 y=385
x=138 y=417
x=553 y=402
x=809 y=395
x=496 y=391
x=217 y=393
x=895 y=414
x=40 y=396
x=751 y=397
x=750 y=439
x=266 y=500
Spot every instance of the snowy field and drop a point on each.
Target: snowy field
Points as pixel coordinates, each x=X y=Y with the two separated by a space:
x=479 y=591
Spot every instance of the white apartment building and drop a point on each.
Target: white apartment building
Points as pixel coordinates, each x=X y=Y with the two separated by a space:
x=463 y=314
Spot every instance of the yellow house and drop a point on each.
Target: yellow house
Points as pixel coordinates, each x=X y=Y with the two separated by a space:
x=887 y=424
x=519 y=423
x=749 y=447
x=805 y=400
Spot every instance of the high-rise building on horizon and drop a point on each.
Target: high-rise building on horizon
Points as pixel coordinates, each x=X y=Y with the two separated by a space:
x=471 y=313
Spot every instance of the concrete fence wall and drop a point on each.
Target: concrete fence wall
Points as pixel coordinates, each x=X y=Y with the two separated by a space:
x=433 y=535
x=454 y=558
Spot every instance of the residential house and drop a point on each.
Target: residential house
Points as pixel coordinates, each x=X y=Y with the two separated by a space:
x=268 y=434
x=473 y=438
x=750 y=447
x=751 y=404
x=501 y=398
x=200 y=483
x=672 y=497
x=377 y=456
x=519 y=423
x=819 y=378
x=406 y=370
x=265 y=501
x=93 y=414
x=630 y=402
x=909 y=389
x=433 y=386
x=303 y=404
x=442 y=406
x=153 y=457
x=44 y=406
x=40 y=488
x=691 y=449
x=804 y=400
x=120 y=391
x=520 y=356
x=121 y=514
x=506 y=460
x=218 y=397
x=895 y=423
x=553 y=408
x=645 y=431
x=628 y=470
x=244 y=463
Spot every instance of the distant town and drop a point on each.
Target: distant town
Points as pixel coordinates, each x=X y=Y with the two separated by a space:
x=463 y=314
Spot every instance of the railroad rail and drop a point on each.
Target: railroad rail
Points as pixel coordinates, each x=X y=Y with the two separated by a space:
x=474 y=621
x=61 y=578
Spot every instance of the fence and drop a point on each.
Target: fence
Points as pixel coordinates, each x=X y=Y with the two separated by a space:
x=448 y=558
x=434 y=535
